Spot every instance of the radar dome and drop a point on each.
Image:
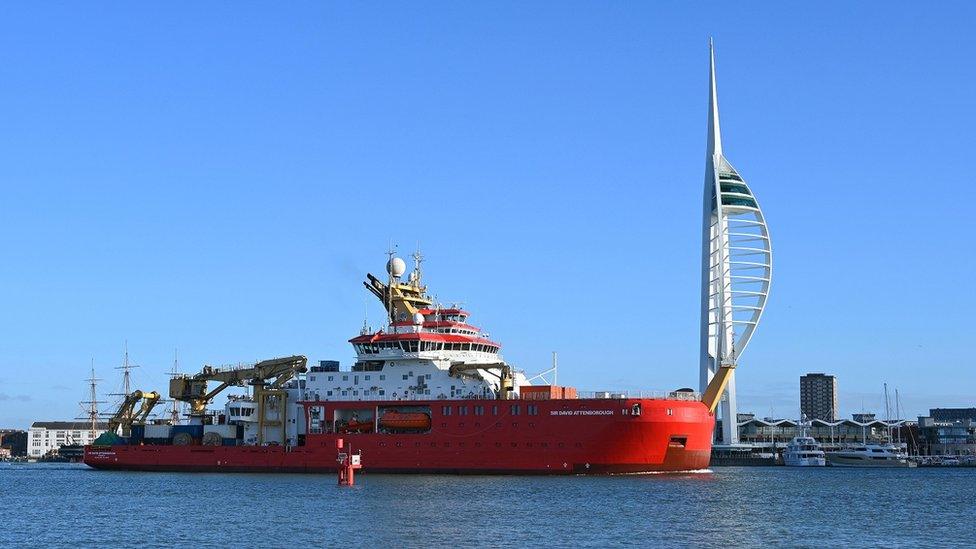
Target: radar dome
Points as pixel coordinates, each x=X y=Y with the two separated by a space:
x=396 y=267
x=418 y=318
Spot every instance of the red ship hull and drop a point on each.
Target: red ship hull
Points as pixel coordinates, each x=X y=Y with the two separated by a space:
x=585 y=436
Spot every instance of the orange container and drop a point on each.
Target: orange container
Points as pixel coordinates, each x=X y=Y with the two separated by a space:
x=547 y=392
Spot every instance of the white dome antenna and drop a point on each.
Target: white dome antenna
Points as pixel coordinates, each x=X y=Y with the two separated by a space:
x=396 y=267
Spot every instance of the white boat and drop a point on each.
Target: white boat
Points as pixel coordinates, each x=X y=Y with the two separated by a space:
x=870 y=455
x=804 y=452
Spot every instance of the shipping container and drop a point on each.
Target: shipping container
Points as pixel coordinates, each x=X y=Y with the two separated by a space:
x=546 y=392
x=157 y=431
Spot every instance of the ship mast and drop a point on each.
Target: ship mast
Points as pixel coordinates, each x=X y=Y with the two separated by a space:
x=126 y=368
x=92 y=402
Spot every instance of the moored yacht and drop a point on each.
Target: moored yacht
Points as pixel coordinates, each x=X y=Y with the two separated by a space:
x=870 y=455
x=804 y=452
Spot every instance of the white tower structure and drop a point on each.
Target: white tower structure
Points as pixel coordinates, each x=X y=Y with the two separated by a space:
x=737 y=265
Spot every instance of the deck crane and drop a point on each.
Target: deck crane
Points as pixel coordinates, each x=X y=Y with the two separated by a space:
x=127 y=416
x=192 y=389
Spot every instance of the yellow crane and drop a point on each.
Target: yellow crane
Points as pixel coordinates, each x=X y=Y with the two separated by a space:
x=127 y=416
x=193 y=389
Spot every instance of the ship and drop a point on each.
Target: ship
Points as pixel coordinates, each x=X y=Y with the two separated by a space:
x=428 y=393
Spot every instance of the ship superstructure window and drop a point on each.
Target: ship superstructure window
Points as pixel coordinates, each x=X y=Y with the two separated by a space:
x=446 y=410
x=516 y=409
x=532 y=409
x=462 y=410
x=479 y=410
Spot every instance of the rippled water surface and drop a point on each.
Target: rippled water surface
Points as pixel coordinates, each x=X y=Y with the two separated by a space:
x=59 y=504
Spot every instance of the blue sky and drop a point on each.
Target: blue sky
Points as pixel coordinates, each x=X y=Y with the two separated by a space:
x=218 y=179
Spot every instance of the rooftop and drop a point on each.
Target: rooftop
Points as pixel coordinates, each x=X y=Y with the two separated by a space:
x=67 y=425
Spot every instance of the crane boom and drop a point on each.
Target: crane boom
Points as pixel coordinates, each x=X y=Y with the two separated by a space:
x=126 y=415
x=193 y=389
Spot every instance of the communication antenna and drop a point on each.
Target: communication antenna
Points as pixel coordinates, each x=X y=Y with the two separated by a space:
x=418 y=258
x=174 y=413
x=365 y=316
x=555 y=369
x=389 y=290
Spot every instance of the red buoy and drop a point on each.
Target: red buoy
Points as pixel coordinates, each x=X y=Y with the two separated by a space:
x=348 y=463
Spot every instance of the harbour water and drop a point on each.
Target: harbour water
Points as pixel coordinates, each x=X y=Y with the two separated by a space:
x=72 y=505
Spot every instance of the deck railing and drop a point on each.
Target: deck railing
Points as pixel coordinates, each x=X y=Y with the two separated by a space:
x=668 y=395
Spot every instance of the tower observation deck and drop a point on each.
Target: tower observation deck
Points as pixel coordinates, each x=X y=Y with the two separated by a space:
x=737 y=266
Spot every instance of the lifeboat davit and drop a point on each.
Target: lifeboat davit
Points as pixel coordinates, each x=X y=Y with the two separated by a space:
x=405 y=421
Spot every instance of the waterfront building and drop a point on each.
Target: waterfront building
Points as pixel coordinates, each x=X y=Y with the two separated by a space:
x=46 y=436
x=736 y=267
x=14 y=441
x=818 y=397
x=952 y=414
x=948 y=431
x=776 y=433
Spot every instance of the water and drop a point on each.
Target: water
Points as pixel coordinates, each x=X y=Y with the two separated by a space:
x=58 y=504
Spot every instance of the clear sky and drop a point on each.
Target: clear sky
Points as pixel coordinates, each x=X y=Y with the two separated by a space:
x=219 y=178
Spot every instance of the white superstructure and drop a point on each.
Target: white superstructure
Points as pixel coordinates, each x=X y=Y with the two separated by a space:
x=426 y=352
x=736 y=265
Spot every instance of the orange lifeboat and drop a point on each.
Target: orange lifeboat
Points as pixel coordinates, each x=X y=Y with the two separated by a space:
x=406 y=421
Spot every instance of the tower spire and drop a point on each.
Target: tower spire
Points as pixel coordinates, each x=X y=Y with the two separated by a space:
x=714 y=131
